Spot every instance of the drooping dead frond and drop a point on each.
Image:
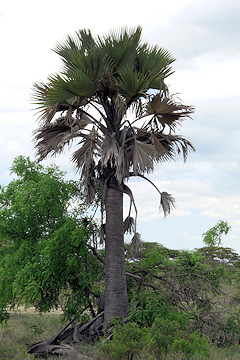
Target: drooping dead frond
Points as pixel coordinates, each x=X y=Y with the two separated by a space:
x=142 y=157
x=51 y=138
x=129 y=225
x=84 y=158
x=136 y=244
x=167 y=203
x=109 y=150
x=182 y=145
x=86 y=152
x=162 y=149
x=122 y=165
x=89 y=180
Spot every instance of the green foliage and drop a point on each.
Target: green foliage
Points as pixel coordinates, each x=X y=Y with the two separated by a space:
x=150 y=305
x=173 y=336
x=192 y=345
x=127 y=342
x=45 y=246
x=187 y=284
x=169 y=335
x=221 y=255
x=213 y=237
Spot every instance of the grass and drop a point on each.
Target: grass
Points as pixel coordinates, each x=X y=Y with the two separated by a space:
x=25 y=328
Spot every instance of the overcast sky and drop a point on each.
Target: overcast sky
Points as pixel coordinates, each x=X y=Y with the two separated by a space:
x=204 y=37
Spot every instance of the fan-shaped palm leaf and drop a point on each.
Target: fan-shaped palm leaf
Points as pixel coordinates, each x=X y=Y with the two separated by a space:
x=121 y=47
x=142 y=157
x=81 y=42
x=166 y=112
x=162 y=149
x=133 y=85
x=155 y=62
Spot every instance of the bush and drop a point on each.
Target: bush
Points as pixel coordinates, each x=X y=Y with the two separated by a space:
x=191 y=346
x=170 y=336
x=127 y=342
x=174 y=336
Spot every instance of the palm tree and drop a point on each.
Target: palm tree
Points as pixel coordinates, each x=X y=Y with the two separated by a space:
x=111 y=97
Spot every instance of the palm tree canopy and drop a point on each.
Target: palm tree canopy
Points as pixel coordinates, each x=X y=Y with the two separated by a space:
x=111 y=96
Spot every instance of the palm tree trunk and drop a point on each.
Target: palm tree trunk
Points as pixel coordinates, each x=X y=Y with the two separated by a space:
x=115 y=296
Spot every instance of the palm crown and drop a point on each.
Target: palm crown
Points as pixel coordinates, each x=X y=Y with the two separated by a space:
x=111 y=96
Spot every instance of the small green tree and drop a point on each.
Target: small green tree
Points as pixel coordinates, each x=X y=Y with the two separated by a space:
x=45 y=248
x=213 y=237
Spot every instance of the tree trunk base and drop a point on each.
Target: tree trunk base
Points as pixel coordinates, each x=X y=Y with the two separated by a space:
x=60 y=344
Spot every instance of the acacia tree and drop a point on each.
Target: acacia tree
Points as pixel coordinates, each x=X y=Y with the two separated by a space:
x=110 y=96
x=46 y=243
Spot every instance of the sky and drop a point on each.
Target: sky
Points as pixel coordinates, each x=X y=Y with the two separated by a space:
x=204 y=37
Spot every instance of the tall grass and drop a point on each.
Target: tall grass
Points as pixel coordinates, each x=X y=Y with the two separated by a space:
x=24 y=329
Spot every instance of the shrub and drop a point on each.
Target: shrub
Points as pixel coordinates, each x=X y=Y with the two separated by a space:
x=192 y=345
x=127 y=342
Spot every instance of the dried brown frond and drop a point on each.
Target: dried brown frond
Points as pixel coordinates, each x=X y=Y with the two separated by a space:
x=122 y=165
x=162 y=148
x=89 y=148
x=166 y=111
x=109 y=150
x=129 y=225
x=167 y=203
x=136 y=244
x=142 y=157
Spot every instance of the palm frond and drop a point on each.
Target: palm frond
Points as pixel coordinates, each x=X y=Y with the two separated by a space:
x=142 y=157
x=162 y=149
x=39 y=97
x=109 y=150
x=135 y=244
x=122 y=165
x=88 y=178
x=167 y=203
x=121 y=105
x=51 y=138
x=84 y=159
x=129 y=225
x=156 y=62
x=88 y=149
x=132 y=85
x=94 y=64
x=166 y=111
x=85 y=39
x=181 y=144
x=82 y=41
x=121 y=47
x=60 y=92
